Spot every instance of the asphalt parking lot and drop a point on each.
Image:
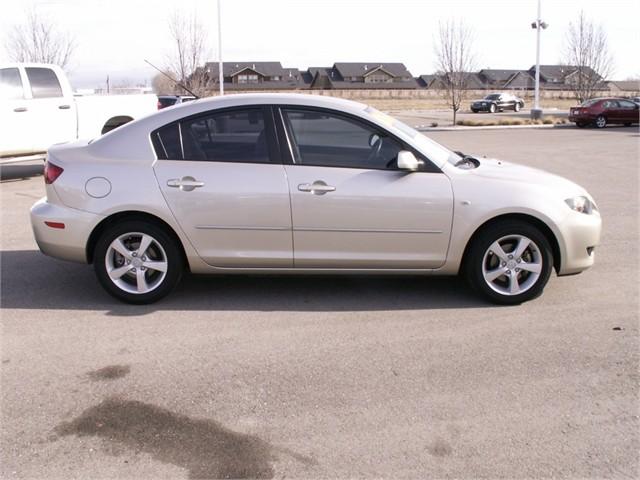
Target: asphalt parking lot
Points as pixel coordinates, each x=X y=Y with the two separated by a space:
x=332 y=377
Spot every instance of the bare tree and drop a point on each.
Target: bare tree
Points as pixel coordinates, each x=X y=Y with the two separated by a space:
x=189 y=52
x=38 y=40
x=162 y=85
x=587 y=50
x=455 y=60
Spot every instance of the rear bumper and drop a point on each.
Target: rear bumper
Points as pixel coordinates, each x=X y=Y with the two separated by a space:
x=581 y=118
x=581 y=234
x=68 y=243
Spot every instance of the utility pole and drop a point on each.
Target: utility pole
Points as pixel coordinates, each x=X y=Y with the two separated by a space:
x=536 y=111
x=220 y=73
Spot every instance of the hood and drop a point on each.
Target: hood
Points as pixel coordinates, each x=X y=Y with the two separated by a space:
x=495 y=169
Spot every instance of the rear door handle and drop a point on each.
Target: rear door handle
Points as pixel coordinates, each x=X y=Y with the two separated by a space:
x=317 y=188
x=64 y=107
x=20 y=109
x=186 y=184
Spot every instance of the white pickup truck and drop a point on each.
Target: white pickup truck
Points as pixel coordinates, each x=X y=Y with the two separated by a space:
x=38 y=109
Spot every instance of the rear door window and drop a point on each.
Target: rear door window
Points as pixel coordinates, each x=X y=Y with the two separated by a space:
x=240 y=136
x=10 y=84
x=44 y=82
x=232 y=136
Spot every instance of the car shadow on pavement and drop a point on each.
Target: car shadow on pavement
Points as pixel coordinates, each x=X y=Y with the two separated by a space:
x=30 y=280
x=204 y=447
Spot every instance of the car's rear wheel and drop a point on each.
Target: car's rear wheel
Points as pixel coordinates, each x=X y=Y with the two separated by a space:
x=601 y=121
x=509 y=263
x=137 y=262
x=516 y=107
x=492 y=108
x=628 y=124
x=474 y=110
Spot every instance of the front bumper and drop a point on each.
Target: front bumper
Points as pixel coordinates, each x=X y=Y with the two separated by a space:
x=68 y=243
x=581 y=234
x=481 y=108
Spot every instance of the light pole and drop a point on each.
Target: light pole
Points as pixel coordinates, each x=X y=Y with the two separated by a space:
x=220 y=74
x=536 y=111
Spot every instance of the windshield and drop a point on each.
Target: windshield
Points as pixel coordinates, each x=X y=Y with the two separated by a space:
x=433 y=150
x=494 y=96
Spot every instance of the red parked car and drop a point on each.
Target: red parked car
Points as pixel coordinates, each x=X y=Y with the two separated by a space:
x=603 y=111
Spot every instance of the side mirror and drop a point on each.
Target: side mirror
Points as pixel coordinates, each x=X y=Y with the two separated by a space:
x=408 y=161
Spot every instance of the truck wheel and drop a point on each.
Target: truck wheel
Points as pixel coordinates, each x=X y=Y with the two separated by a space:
x=509 y=263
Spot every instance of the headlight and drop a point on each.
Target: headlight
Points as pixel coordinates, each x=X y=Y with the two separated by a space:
x=581 y=204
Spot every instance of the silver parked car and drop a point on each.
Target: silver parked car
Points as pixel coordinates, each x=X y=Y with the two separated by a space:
x=283 y=183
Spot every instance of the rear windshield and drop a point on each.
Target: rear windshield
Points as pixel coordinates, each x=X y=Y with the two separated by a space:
x=588 y=103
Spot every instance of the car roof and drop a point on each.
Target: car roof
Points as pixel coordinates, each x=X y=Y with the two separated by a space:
x=202 y=105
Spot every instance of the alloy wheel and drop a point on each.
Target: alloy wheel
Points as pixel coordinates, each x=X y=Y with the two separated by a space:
x=512 y=265
x=136 y=263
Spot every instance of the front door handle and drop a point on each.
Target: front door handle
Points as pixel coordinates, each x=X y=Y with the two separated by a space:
x=64 y=107
x=186 y=184
x=317 y=188
x=20 y=109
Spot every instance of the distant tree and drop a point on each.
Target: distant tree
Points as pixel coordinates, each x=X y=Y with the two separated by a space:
x=38 y=40
x=164 y=86
x=587 y=49
x=455 y=60
x=189 y=51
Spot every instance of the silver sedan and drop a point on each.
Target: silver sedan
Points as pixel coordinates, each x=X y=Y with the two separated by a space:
x=283 y=183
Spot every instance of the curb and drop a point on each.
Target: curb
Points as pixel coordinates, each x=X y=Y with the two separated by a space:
x=424 y=128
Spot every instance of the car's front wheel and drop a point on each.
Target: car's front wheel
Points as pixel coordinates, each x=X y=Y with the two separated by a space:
x=509 y=263
x=516 y=107
x=137 y=262
x=492 y=108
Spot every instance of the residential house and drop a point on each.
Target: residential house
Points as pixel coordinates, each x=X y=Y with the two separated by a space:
x=254 y=75
x=369 y=75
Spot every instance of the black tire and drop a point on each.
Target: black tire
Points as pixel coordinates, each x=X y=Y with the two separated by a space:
x=474 y=110
x=627 y=124
x=480 y=261
x=601 y=121
x=492 y=108
x=162 y=250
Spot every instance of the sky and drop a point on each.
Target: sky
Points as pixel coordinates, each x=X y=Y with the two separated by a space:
x=114 y=37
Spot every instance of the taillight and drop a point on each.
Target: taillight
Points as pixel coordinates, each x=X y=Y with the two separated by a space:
x=51 y=172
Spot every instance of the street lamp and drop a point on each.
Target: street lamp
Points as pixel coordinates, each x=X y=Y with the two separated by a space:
x=536 y=111
x=220 y=70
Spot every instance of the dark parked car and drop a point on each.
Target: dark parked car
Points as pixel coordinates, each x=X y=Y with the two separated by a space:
x=169 y=100
x=497 y=102
x=603 y=111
